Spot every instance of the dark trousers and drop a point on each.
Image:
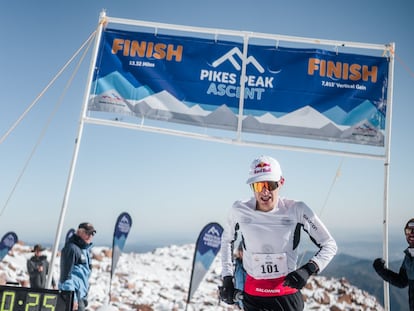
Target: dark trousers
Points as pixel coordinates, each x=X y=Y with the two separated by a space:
x=293 y=302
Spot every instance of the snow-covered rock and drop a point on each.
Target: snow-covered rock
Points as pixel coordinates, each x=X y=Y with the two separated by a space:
x=159 y=280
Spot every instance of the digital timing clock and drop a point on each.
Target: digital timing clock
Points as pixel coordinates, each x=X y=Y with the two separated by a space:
x=15 y=298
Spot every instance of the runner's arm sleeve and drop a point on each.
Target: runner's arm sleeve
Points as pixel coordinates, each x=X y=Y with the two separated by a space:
x=320 y=236
x=226 y=248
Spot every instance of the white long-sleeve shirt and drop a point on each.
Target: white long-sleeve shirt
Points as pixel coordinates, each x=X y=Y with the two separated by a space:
x=272 y=237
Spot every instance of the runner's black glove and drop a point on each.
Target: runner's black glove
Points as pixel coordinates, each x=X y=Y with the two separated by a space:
x=227 y=290
x=298 y=278
x=379 y=265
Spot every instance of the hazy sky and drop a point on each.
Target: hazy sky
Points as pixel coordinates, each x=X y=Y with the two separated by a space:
x=173 y=186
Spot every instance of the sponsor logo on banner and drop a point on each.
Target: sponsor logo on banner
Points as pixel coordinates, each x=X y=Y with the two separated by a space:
x=212 y=238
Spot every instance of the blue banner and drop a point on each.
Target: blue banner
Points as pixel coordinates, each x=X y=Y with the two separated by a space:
x=306 y=93
x=6 y=244
x=206 y=249
x=122 y=227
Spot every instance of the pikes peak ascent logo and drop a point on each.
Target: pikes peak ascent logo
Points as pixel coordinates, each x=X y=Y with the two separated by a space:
x=9 y=240
x=212 y=237
x=227 y=84
x=213 y=230
x=230 y=57
x=124 y=224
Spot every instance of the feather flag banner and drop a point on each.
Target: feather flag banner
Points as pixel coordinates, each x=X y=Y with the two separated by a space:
x=7 y=242
x=122 y=228
x=206 y=248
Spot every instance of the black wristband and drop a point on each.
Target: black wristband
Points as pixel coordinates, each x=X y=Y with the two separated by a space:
x=311 y=267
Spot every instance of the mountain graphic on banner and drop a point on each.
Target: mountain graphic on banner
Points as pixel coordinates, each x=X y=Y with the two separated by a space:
x=361 y=124
x=117 y=81
x=365 y=111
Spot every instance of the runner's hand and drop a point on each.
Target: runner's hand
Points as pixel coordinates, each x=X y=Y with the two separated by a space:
x=298 y=278
x=227 y=290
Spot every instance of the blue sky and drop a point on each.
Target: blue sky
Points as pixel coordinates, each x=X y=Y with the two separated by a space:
x=173 y=186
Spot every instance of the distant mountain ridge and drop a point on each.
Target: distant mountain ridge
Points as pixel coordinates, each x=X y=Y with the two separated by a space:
x=360 y=273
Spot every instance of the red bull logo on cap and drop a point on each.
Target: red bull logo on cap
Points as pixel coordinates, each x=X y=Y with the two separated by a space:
x=262 y=167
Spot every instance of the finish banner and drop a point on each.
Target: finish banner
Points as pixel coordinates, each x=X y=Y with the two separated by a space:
x=305 y=93
x=206 y=249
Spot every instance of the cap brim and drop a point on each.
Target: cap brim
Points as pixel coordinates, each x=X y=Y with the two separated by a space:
x=256 y=179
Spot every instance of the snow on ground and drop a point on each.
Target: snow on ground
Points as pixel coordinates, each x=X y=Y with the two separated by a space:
x=159 y=280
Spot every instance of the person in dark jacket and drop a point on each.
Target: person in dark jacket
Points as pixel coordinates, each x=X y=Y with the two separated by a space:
x=38 y=268
x=406 y=274
x=76 y=265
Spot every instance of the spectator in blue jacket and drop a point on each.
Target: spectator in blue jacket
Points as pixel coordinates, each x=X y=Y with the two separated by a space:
x=406 y=274
x=76 y=265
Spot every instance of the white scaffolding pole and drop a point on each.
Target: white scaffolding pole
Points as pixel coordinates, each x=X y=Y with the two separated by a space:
x=76 y=150
x=390 y=91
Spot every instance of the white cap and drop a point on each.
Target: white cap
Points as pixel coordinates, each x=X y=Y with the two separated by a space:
x=264 y=168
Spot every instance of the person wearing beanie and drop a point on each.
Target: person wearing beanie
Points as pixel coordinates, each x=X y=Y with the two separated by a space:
x=405 y=277
x=76 y=265
x=270 y=227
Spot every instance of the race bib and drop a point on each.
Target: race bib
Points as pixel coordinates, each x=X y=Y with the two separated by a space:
x=269 y=266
